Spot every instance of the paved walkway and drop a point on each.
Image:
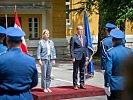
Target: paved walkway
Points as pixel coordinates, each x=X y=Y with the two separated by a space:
x=62 y=76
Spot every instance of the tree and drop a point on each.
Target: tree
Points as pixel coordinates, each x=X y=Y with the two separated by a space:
x=113 y=11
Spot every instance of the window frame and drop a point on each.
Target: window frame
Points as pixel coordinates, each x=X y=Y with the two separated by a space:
x=68 y=19
x=32 y=28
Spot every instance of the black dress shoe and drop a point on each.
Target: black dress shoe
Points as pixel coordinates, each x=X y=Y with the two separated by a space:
x=75 y=87
x=82 y=87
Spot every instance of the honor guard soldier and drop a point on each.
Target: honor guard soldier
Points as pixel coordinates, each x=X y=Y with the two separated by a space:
x=3 y=48
x=113 y=68
x=105 y=44
x=18 y=73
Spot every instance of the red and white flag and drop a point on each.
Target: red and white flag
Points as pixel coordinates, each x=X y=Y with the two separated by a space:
x=17 y=24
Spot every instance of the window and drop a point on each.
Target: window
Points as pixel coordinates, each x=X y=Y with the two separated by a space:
x=33 y=28
x=9 y=23
x=67 y=13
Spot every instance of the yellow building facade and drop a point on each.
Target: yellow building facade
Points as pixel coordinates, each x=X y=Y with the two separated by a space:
x=93 y=22
x=36 y=15
x=76 y=19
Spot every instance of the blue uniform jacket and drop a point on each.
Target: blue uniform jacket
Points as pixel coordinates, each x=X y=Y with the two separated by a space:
x=42 y=50
x=114 y=69
x=18 y=74
x=76 y=48
x=105 y=44
x=3 y=48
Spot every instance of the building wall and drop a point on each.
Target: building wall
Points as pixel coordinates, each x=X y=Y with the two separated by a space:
x=129 y=28
x=59 y=28
x=24 y=22
x=53 y=18
x=58 y=19
x=93 y=22
x=78 y=19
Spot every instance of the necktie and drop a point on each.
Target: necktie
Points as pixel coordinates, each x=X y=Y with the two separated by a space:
x=81 y=39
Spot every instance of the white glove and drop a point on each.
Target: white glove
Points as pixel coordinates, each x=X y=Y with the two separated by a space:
x=103 y=71
x=107 y=90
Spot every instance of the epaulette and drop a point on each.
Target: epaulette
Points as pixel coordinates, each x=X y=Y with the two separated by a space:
x=106 y=37
x=110 y=49
x=29 y=55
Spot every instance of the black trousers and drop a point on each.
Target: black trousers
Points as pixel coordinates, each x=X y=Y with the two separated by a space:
x=116 y=95
x=78 y=65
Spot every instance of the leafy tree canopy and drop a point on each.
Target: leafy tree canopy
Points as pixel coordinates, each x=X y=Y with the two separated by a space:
x=113 y=10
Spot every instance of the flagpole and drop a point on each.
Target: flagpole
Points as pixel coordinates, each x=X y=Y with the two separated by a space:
x=18 y=25
x=15 y=7
x=6 y=20
x=89 y=64
x=85 y=6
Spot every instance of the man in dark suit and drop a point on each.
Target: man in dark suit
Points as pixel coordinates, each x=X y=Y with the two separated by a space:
x=79 y=55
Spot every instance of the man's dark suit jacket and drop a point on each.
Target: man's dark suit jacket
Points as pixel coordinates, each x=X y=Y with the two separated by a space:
x=76 y=48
